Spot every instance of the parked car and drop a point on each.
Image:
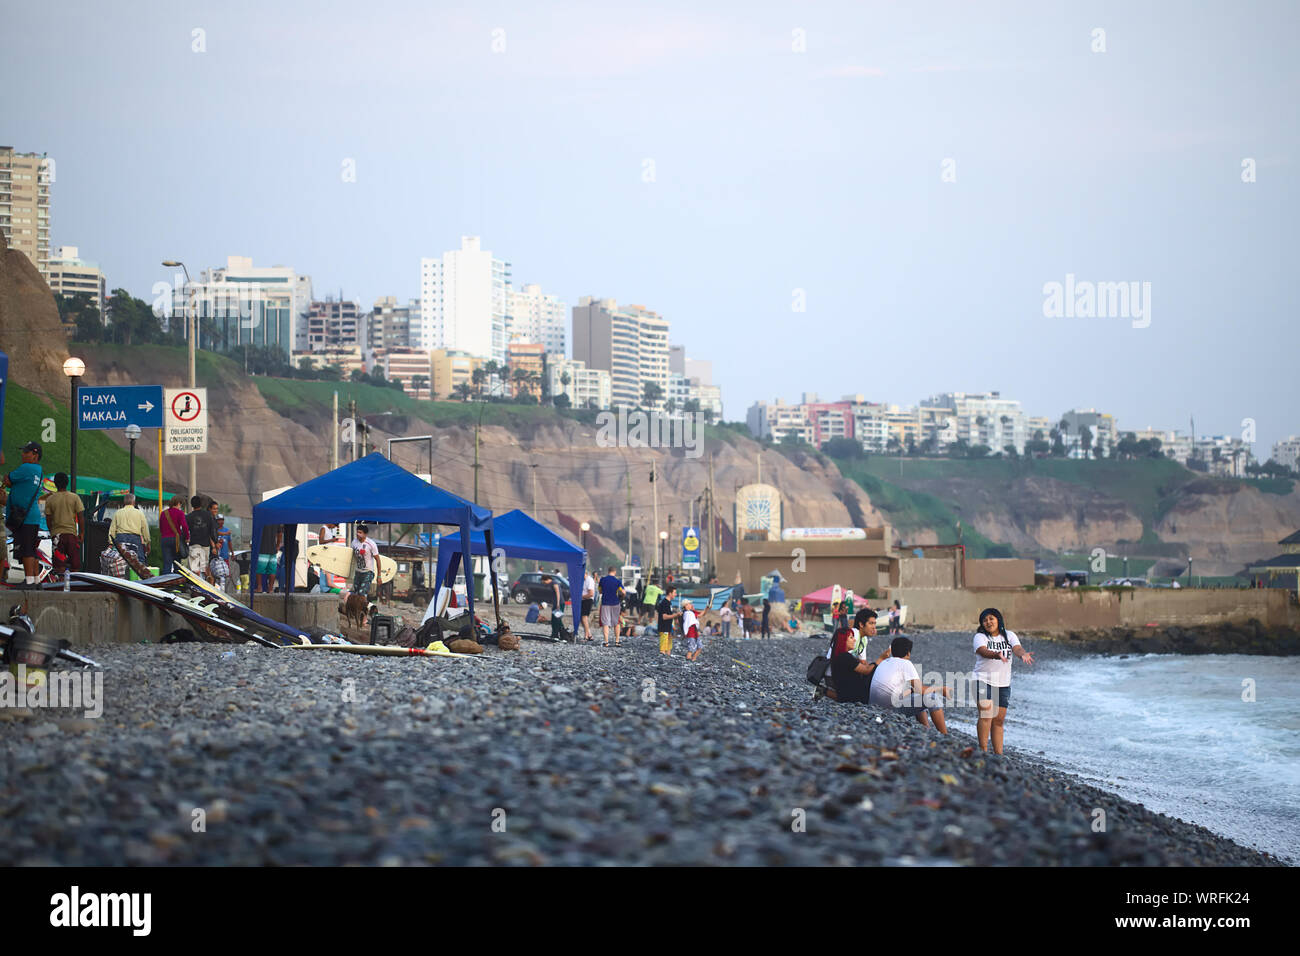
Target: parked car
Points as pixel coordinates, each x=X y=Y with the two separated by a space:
x=529 y=589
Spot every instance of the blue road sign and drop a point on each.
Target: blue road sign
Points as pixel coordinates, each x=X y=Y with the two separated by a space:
x=120 y=405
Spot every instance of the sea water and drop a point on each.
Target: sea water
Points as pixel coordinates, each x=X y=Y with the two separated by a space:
x=1211 y=739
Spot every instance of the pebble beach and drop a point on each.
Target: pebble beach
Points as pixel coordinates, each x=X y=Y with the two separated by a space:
x=552 y=754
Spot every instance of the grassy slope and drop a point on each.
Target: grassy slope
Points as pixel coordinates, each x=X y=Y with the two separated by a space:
x=25 y=412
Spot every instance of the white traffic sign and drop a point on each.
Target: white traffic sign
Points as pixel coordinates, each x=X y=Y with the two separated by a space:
x=185 y=421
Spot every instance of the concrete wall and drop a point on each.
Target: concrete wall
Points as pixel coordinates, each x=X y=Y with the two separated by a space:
x=809 y=565
x=1071 y=609
x=926 y=573
x=104 y=618
x=999 y=572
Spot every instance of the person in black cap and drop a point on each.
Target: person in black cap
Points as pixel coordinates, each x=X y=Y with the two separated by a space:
x=23 y=512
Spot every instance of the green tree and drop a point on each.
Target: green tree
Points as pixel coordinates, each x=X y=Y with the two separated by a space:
x=843 y=448
x=131 y=320
x=652 y=393
x=1085 y=439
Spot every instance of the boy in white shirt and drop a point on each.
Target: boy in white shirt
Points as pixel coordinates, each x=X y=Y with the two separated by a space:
x=367 y=561
x=897 y=685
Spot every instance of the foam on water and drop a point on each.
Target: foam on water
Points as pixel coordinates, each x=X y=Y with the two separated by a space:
x=1173 y=733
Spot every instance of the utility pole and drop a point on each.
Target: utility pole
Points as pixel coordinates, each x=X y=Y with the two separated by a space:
x=534 y=467
x=352 y=416
x=655 y=486
x=713 y=547
x=629 y=510
x=334 y=445
x=477 y=426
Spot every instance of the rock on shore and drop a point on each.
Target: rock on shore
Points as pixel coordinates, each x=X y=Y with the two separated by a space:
x=1249 y=638
x=553 y=754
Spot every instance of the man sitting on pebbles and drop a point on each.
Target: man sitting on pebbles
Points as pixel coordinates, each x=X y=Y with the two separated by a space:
x=896 y=685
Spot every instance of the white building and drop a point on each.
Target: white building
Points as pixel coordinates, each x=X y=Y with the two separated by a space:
x=248 y=305
x=1100 y=425
x=982 y=419
x=586 y=388
x=464 y=301
x=534 y=316
x=1287 y=452
x=69 y=274
x=777 y=419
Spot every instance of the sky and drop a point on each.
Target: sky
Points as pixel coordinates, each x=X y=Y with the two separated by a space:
x=839 y=198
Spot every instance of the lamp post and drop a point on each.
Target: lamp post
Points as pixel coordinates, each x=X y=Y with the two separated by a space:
x=663 y=545
x=585 y=528
x=191 y=332
x=132 y=433
x=74 y=368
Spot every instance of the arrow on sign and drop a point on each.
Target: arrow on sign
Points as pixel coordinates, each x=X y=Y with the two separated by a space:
x=147 y=406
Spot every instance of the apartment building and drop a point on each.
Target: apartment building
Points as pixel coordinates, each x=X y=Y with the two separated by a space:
x=413 y=368
x=1100 y=425
x=630 y=342
x=776 y=420
x=525 y=368
x=1287 y=452
x=388 y=324
x=449 y=369
x=533 y=316
x=586 y=387
x=69 y=274
x=25 y=205
x=464 y=302
x=333 y=324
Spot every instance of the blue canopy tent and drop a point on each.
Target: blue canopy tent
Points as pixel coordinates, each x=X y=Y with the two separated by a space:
x=520 y=536
x=369 y=489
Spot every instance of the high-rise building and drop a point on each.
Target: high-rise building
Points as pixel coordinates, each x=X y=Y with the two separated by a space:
x=464 y=301
x=25 y=205
x=982 y=419
x=388 y=325
x=1100 y=426
x=631 y=343
x=243 y=304
x=333 y=324
x=536 y=317
x=70 y=274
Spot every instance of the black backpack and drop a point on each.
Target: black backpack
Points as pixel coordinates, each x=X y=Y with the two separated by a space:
x=819 y=666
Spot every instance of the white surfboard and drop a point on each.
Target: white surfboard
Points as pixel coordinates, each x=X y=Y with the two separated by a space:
x=339 y=559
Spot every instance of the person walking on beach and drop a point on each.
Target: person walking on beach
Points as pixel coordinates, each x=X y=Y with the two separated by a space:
x=64 y=514
x=367 y=561
x=173 y=533
x=611 y=605
x=994 y=646
x=666 y=617
x=23 y=511
x=896 y=685
x=725 y=616
x=557 y=608
x=766 y=632
x=588 y=602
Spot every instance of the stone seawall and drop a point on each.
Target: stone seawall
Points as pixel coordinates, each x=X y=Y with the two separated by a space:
x=1062 y=610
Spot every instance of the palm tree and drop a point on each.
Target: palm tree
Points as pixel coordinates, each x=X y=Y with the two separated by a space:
x=478 y=376
x=464 y=390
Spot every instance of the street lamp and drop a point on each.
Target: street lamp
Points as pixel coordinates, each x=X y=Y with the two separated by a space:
x=585 y=528
x=74 y=368
x=191 y=331
x=663 y=546
x=133 y=432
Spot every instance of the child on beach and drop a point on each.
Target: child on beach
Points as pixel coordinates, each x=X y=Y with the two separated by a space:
x=994 y=645
x=691 y=631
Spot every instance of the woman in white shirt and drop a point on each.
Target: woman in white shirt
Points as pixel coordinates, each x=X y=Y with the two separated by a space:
x=994 y=645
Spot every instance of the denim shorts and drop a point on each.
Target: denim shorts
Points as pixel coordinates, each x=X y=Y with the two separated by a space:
x=692 y=645
x=913 y=705
x=984 y=691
